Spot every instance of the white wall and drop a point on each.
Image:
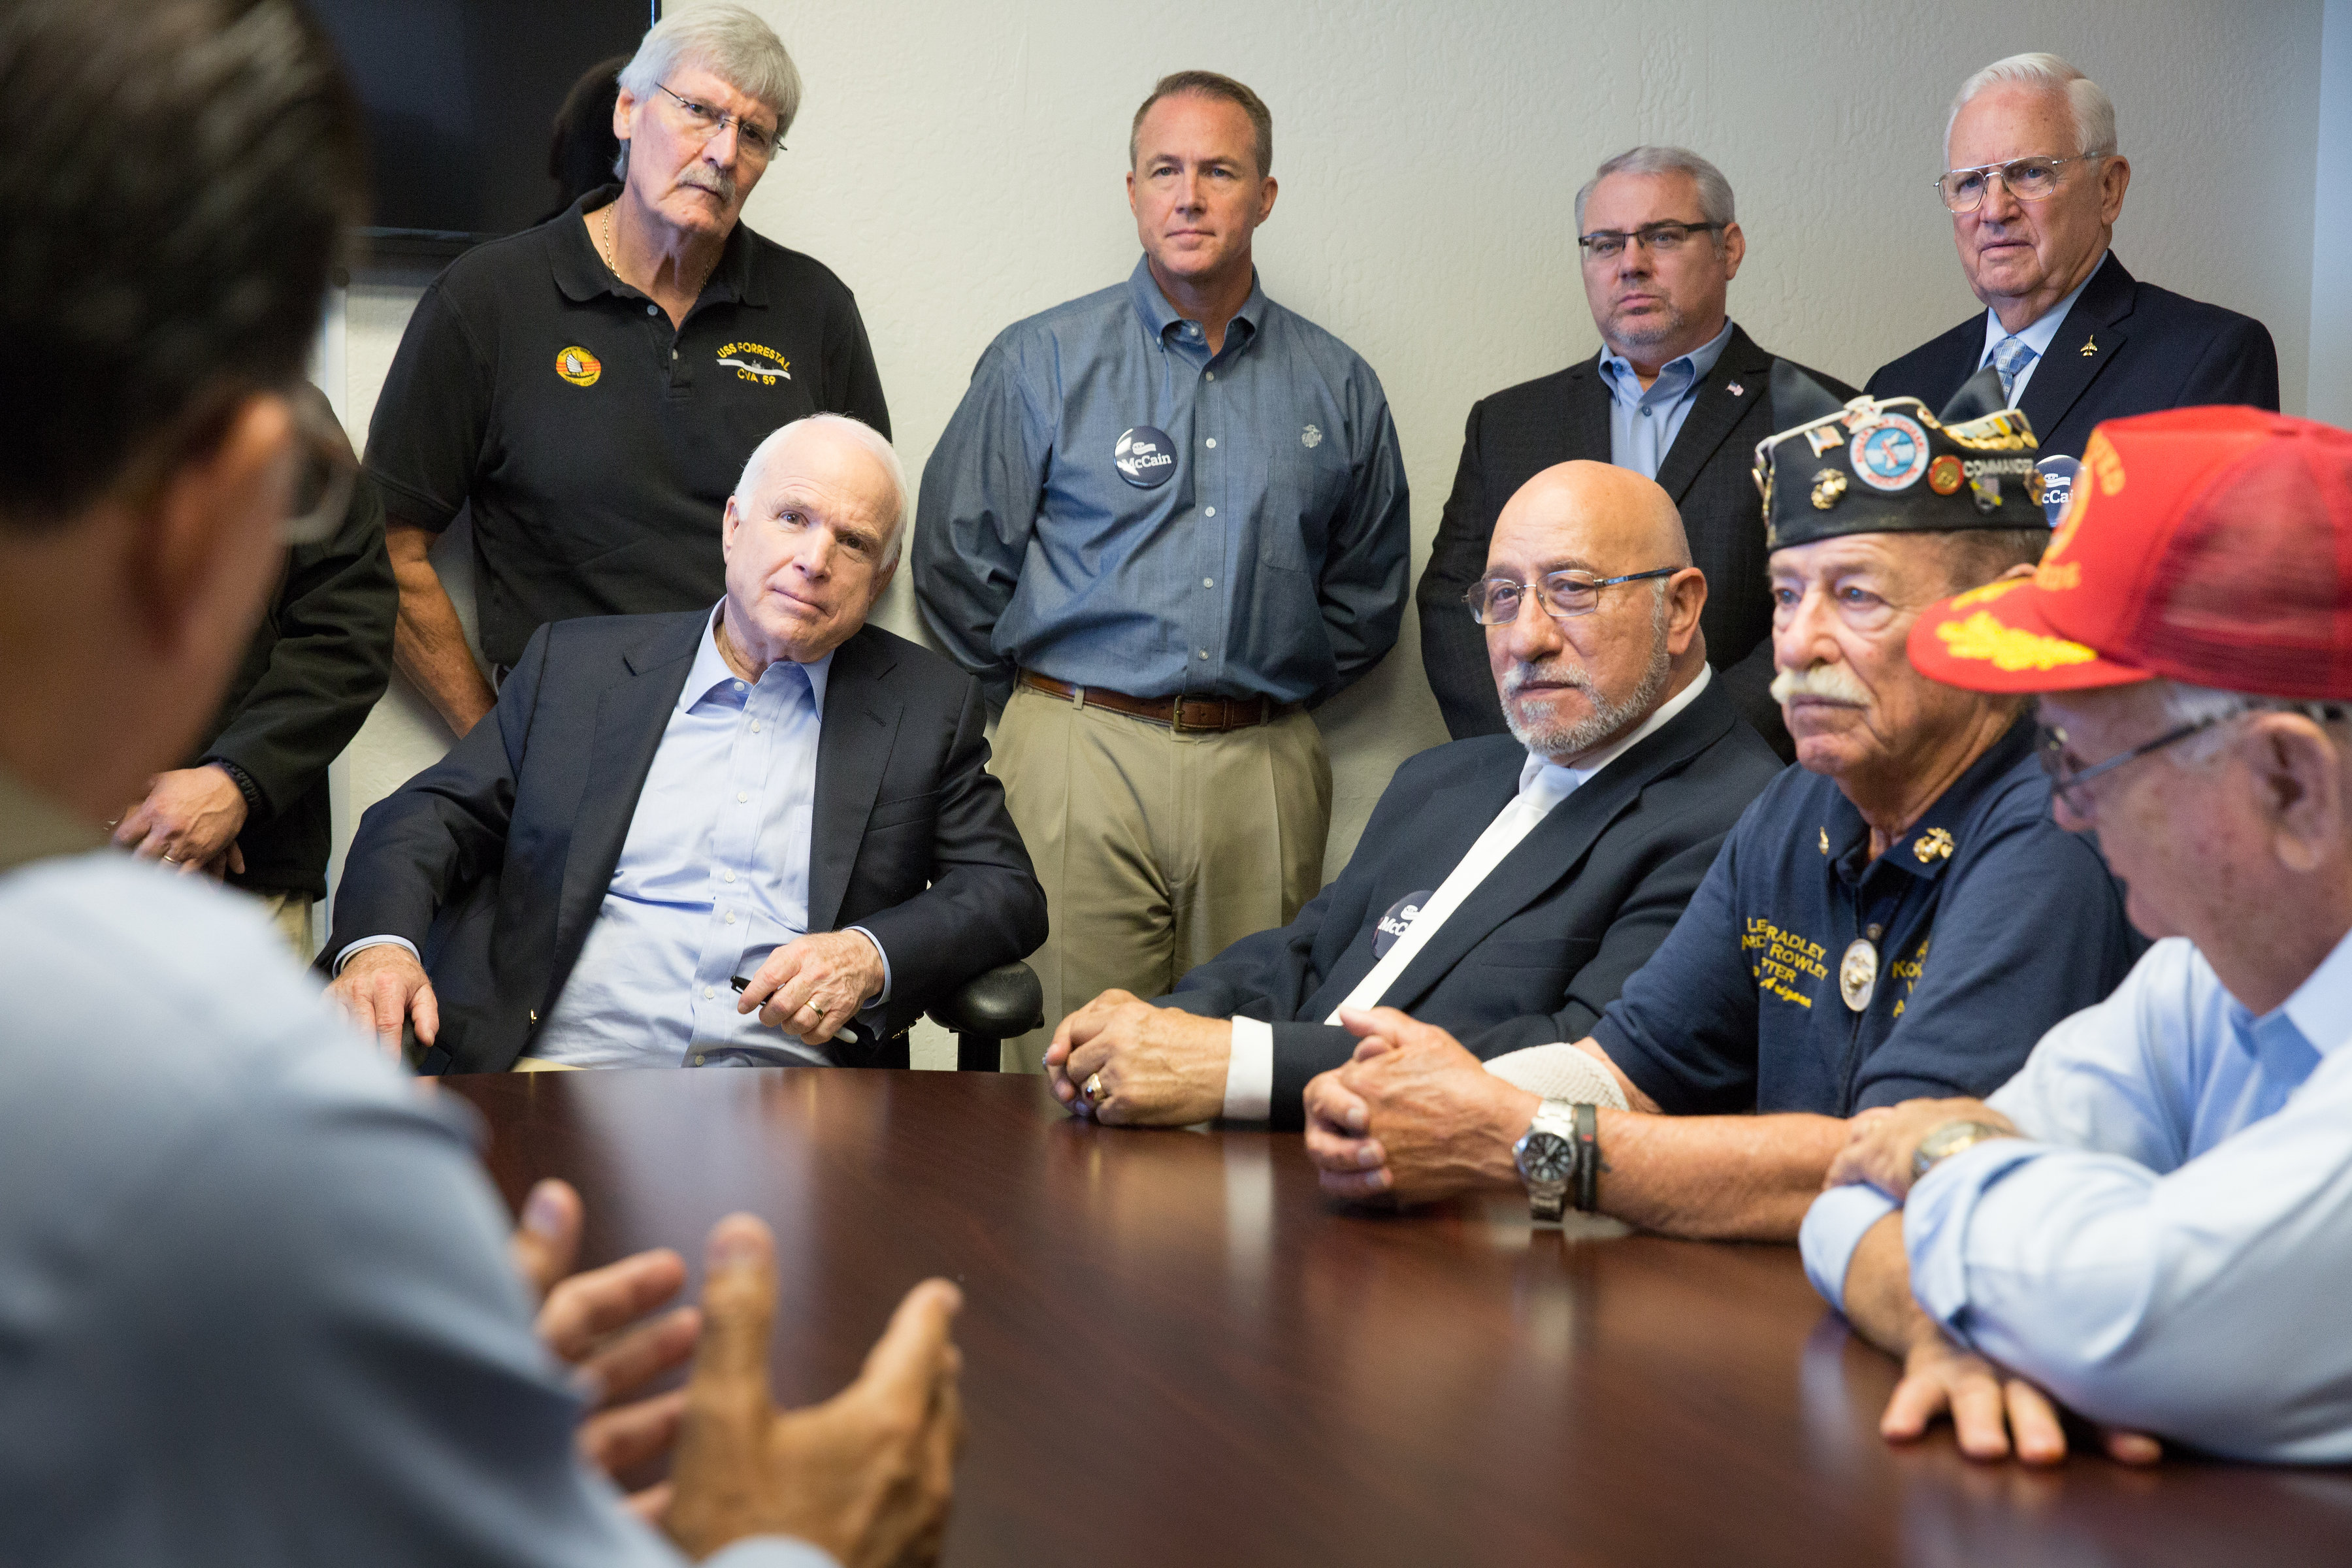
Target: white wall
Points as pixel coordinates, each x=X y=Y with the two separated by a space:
x=2330 y=398
x=959 y=165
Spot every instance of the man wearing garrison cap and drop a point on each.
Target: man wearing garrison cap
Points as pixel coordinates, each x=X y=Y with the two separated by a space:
x=1896 y=914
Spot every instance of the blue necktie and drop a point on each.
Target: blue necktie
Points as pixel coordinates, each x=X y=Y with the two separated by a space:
x=2009 y=356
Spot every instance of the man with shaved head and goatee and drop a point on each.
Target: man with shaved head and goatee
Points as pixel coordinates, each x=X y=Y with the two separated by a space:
x=1505 y=886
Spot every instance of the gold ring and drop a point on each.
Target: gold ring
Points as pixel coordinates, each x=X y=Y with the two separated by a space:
x=170 y=860
x=1093 y=1088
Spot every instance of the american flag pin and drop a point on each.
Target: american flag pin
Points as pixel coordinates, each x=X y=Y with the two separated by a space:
x=1735 y=389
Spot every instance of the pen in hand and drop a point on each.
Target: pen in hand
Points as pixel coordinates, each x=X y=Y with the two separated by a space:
x=847 y=1032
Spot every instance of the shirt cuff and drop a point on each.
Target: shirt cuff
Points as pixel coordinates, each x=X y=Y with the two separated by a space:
x=345 y=956
x=1249 y=1071
x=880 y=953
x=1833 y=1227
x=1936 y=1224
x=770 y=1552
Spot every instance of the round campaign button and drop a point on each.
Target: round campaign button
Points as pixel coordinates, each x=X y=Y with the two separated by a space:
x=1144 y=457
x=1398 y=920
x=2057 y=471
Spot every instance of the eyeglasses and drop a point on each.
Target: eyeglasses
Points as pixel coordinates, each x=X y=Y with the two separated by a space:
x=1658 y=238
x=708 y=122
x=2066 y=781
x=1563 y=594
x=327 y=471
x=2027 y=179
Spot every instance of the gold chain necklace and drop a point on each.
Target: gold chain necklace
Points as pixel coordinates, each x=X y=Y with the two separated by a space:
x=614 y=268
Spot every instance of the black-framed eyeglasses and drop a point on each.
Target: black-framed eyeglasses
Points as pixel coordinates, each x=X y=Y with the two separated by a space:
x=1564 y=595
x=2027 y=179
x=326 y=472
x=2066 y=780
x=709 y=121
x=1657 y=238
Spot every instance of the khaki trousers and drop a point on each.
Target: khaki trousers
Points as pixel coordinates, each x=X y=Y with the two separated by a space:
x=1156 y=850
x=291 y=914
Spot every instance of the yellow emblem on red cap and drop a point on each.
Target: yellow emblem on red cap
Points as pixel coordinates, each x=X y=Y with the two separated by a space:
x=578 y=366
x=2009 y=648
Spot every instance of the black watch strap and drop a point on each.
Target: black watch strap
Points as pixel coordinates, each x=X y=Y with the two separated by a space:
x=254 y=803
x=1587 y=1159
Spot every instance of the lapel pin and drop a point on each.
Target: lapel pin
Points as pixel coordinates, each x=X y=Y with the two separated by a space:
x=2090 y=347
x=1736 y=390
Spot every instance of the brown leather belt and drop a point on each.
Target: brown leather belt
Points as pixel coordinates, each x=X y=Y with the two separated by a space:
x=1184 y=715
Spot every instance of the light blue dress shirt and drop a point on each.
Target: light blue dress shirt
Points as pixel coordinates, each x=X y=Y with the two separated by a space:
x=2038 y=336
x=2170 y=1249
x=1644 y=421
x=254 y=1297
x=712 y=878
x=1270 y=562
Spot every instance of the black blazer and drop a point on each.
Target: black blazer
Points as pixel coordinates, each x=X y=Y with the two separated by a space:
x=2127 y=347
x=1545 y=942
x=1517 y=433
x=494 y=861
x=311 y=672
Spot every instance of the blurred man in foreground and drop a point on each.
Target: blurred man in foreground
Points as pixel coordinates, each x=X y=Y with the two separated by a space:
x=2152 y=1222
x=1895 y=916
x=254 y=1291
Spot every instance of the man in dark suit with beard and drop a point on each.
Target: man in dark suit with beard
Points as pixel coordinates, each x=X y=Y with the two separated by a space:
x=1678 y=392
x=2035 y=184
x=1505 y=886
x=773 y=790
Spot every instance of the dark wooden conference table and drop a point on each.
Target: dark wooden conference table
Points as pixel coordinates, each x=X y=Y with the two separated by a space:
x=1177 y=1351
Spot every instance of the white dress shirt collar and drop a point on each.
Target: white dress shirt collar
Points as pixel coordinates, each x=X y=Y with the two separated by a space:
x=2038 y=336
x=711 y=670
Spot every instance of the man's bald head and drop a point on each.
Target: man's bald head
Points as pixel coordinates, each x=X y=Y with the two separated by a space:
x=1570 y=685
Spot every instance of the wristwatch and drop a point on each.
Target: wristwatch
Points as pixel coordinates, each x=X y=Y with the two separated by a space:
x=1949 y=1139
x=1546 y=1158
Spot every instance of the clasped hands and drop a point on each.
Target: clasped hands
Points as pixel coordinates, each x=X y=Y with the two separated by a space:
x=190 y=818
x=810 y=987
x=1412 y=1116
x=868 y=1475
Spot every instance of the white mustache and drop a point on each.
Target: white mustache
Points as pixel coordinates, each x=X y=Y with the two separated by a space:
x=716 y=183
x=1831 y=683
x=1524 y=672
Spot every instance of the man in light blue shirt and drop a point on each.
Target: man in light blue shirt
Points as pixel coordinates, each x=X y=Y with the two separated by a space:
x=1166 y=519
x=2152 y=1221
x=772 y=790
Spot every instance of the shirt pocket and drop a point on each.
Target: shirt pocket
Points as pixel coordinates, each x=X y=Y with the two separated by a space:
x=1303 y=491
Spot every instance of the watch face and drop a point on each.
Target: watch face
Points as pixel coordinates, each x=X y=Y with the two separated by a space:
x=1546 y=1157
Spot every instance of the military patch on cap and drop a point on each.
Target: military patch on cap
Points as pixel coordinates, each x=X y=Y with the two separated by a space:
x=1886 y=465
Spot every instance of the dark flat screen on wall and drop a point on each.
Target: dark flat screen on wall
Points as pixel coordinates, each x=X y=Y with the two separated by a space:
x=460 y=95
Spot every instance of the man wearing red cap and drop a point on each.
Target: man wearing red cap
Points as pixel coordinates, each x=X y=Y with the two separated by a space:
x=2153 y=1219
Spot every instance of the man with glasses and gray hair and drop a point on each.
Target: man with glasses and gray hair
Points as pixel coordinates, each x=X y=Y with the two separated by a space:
x=1679 y=393
x=589 y=388
x=1897 y=913
x=2034 y=183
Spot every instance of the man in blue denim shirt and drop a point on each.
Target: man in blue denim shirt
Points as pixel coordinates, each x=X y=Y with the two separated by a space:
x=1168 y=518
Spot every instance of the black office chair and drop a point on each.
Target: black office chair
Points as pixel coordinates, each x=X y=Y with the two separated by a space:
x=990 y=1009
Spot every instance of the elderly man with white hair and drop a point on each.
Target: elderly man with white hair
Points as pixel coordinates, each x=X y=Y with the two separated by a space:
x=586 y=389
x=768 y=798
x=2035 y=182
x=2152 y=1222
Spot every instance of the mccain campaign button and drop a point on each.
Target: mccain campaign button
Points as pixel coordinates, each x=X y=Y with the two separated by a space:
x=1144 y=457
x=2057 y=472
x=1398 y=919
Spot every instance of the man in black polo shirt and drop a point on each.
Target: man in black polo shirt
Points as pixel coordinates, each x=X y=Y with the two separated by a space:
x=589 y=388
x=1895 y=917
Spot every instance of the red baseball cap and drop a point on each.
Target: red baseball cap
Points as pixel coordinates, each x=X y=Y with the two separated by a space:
x=2212 y=546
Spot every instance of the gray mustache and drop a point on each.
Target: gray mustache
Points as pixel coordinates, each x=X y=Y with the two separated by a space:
x=1832 y=682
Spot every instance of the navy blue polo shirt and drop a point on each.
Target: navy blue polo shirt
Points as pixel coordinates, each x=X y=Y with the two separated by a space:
x=595 y=444
x=1990 y=923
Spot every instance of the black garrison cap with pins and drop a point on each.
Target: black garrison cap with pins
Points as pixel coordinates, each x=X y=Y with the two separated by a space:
x=1886 y=465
